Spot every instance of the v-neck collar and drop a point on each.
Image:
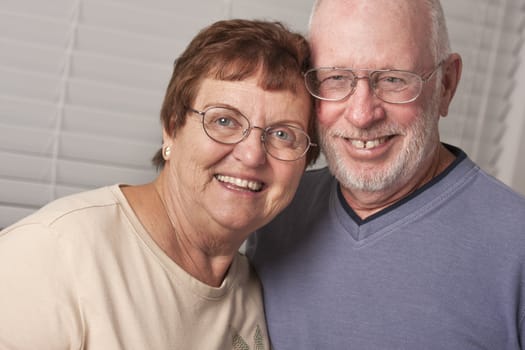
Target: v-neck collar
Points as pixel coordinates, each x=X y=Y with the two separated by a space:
x=407 y=209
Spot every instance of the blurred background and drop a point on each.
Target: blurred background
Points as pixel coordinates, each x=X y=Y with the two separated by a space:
x=82 y=82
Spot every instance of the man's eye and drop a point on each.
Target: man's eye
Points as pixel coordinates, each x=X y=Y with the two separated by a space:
x=336 y=77
x=391 y=83
x=392 y=80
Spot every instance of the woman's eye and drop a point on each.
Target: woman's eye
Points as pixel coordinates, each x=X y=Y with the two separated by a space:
x=283 y=135
x=224 y=121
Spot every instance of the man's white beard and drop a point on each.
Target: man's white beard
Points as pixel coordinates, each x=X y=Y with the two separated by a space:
x=422 y=143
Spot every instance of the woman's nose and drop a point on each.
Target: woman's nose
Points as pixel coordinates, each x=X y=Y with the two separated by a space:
x=251 y=149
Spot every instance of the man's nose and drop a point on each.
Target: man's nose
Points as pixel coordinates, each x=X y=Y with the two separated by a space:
x=362 y=106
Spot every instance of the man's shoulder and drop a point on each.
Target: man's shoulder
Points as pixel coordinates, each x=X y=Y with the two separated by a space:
x=313 y=195
x=486 y=204
x=315 y=180
x=470 y=182
x=495 y=192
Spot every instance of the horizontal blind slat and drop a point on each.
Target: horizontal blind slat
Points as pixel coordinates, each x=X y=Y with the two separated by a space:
x=120 y=63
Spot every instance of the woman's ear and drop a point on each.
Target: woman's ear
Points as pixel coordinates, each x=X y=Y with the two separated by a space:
x=165 y=136
x=166 y=144
x=450 y=77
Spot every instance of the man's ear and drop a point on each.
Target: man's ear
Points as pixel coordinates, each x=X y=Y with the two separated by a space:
x=450 y=77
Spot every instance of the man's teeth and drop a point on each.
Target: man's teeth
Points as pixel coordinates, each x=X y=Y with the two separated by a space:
x=368 y=144
x=251 y=185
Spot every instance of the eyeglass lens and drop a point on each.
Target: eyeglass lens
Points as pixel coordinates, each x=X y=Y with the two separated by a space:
x=391 y=86
x=229 y=126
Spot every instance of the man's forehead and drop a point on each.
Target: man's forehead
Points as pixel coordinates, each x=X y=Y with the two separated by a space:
x=363 y=34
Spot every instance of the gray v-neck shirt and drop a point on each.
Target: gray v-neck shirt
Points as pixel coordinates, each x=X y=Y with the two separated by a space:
x=442 y=269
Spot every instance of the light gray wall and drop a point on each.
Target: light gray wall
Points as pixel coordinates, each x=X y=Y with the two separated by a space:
x=512 y=161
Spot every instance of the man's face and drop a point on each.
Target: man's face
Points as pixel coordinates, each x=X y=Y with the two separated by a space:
x=372 y=145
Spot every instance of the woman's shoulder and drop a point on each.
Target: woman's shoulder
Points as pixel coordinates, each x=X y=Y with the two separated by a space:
x=68 y=207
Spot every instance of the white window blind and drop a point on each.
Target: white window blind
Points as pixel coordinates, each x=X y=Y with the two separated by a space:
x=82 y=82
x=81 y=85
x=488 y=34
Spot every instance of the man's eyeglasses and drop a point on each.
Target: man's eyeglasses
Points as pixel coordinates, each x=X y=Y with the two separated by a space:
x=389 y=85
x=229 y=126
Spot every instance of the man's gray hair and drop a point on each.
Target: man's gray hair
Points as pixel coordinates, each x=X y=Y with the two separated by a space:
x=440 y=42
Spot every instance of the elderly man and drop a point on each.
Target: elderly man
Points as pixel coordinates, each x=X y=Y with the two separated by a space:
x=405 y=243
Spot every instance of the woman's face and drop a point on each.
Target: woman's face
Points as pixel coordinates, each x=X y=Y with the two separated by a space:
x=225 y=188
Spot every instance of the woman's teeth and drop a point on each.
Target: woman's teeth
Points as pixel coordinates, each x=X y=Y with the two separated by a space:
x=242 y=183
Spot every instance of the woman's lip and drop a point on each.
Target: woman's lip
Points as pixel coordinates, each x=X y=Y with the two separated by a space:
x=252 y=185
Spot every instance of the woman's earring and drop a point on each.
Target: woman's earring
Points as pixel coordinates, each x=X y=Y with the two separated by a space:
x=166 y=151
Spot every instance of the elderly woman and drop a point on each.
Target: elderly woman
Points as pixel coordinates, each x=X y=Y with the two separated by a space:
x=156 y=266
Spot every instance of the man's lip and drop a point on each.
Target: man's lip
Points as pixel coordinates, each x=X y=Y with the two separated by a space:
x=368 y=143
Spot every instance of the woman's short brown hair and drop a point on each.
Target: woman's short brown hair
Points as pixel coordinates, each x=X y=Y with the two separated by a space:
x=235 y=50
